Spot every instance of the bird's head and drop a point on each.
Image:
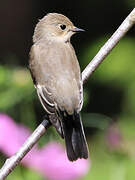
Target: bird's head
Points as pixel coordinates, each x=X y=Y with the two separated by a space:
x=55 y=26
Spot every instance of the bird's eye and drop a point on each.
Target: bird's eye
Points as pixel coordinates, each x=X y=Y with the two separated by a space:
x=63 y=26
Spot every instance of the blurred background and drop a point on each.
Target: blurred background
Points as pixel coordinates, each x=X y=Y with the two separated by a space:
x=109 y=95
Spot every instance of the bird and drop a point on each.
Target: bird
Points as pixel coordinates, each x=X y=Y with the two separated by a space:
x=57 y=78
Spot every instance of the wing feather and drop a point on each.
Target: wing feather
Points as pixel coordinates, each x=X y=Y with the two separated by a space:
x=45 y=100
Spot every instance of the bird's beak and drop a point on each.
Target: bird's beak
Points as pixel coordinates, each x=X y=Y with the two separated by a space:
x=75 y=29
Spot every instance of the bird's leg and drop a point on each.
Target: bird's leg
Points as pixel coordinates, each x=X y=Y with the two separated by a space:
x=46 y=122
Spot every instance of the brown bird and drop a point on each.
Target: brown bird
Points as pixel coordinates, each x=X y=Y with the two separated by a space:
x=57 y=78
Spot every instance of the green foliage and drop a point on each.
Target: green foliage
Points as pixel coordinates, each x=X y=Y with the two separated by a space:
x=15 y=86
x=94 y=120
x=21 y=173
x=17 y=94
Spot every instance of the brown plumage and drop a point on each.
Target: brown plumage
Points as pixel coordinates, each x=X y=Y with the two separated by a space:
x=57 y=78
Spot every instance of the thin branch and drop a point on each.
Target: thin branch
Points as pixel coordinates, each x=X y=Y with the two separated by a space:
x=109 y=45
x=12 y=162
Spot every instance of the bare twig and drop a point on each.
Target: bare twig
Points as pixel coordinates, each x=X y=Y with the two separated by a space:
x=12 y=162
x=109 y=45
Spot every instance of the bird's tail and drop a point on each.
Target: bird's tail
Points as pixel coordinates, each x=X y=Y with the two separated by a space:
x=75 y=140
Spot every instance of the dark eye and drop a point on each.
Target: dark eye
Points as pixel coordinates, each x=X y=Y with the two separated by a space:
x=63 y=26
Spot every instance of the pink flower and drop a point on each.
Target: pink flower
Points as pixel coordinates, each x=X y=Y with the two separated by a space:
x=51 y=160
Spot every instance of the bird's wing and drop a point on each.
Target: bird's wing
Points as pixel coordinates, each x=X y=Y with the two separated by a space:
x=48 y=105
x=45 y=99
x=45 y=96
x=36 y=71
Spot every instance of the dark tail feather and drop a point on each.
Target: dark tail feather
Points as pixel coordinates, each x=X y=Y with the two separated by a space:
x=74 y=137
